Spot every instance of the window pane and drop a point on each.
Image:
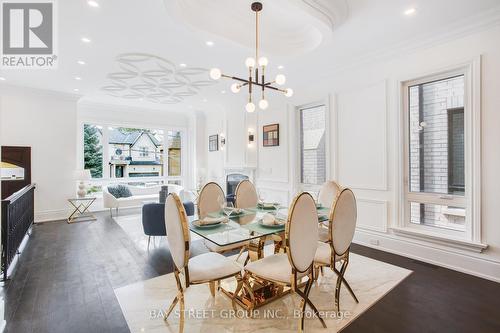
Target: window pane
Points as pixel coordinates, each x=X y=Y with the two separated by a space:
x=436 y=142
x=135 y=152
x=312 y=144
x=92 y=149
x=437 y=216
x=174 y=153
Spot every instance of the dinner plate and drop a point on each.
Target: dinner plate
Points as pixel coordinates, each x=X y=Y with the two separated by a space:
x=205 y=226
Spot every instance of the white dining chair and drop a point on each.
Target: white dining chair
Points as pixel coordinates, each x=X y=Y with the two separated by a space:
x=341 y=232
x=288 y=269
x=209 y=201
x=328 y=193
x=205 y=268
x=326 y=197
x=246 y=195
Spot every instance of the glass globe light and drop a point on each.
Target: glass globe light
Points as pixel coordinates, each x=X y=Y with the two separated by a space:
x=250 y=107
x=280 y=79
x=263 y=104
x=235 y=87
x=263 y=61
x=288 y=92
x=250 y=62
x=215 y=74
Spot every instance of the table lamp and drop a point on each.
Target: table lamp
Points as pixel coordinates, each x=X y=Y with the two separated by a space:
x=82 y=176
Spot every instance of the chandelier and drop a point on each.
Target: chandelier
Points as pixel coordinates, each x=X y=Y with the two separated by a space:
x=253 y=65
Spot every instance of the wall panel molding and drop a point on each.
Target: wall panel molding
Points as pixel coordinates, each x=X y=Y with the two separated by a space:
x=372 y=210
x=362 y=137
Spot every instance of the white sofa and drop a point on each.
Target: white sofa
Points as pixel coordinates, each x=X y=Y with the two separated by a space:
x=139 y=195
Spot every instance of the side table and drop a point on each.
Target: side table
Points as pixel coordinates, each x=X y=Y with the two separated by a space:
x=80 y=212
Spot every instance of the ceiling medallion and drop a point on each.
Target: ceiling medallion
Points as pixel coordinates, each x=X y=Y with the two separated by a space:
x=147 y=77
x=253 y=69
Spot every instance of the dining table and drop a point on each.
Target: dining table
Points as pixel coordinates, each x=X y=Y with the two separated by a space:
x=246 y=227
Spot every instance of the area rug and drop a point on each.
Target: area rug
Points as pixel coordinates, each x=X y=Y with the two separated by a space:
x=144 y=303
x=132 y=225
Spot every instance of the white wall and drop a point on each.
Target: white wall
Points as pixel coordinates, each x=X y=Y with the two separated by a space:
x=46 y=122
x=364 y=108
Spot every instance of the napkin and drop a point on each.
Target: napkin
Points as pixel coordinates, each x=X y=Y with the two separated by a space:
x=212 y=220
x=270 y=219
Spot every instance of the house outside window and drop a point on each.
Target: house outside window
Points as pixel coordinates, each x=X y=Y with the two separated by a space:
x=312 y=121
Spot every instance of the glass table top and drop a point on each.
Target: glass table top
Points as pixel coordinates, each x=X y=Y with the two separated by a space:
x=245 y=226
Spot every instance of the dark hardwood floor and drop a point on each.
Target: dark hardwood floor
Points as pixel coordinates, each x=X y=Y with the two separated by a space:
x=66 y=275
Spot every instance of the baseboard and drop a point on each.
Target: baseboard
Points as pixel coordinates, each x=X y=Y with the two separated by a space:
x=469 y=264
x=62 y=214
x=51 y=215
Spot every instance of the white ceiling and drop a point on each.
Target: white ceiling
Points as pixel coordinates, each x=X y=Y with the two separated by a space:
x=130 y=26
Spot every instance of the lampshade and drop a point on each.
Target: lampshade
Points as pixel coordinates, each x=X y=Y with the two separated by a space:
x=83 y=175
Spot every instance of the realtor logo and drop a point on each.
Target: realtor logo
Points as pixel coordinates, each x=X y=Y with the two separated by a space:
x=28 y=34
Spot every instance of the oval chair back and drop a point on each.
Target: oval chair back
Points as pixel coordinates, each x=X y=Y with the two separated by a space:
x=328 y=193
x=343 y=217
x=177 y=230
x=302 y=232
x=246 y=195
x=209 y=199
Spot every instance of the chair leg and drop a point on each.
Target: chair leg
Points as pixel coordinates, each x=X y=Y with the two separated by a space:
x=181 y=319
x=306 y=301
x=149 y=241
x=340 y=278
x=316 y=272
x=111 y=212
x=239 y=286
x=212 y=288
x=241 y=252
x=171 y=307
x=349 y=289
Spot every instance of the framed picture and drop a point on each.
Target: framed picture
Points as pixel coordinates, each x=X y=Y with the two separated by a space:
x=213 y=142
x=271 y=135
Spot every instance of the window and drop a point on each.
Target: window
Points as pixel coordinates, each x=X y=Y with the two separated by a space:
x=135 y=152
x=312 y=122
x=132 y=152
x=92 y=149
x=174 y=141
x=435 y=182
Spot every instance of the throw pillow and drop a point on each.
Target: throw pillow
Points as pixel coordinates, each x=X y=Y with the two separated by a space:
x=119 y=191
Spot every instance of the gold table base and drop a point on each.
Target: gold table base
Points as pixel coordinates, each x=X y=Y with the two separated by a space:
x=260 y=292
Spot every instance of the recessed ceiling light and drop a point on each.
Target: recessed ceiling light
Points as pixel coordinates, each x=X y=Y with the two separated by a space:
x=78 y=78
x=209 y=43
x=183 y=65
x=205 y=100
x=281 y=67
x=2 y=78
x=223 y=92
x=85 y=40
x=93 y=3
x=76 y=89
x=410 y=11
x=81 y=62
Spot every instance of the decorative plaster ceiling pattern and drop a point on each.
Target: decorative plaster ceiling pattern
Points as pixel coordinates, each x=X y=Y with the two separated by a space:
x=155 y=79
x=289 y=27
